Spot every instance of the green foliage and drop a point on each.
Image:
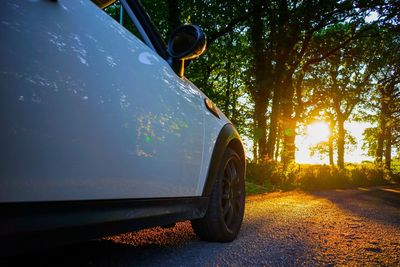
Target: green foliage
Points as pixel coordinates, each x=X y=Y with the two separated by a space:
x=370 y=140
x=317 y=177
x=396 y=169
x=260 y=173
x=368 y=175
x=253 y=189
x=396 y=165
x=322 y=177
x=272 y=174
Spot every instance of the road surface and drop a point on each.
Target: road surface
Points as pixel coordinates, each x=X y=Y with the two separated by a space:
x=339 y=227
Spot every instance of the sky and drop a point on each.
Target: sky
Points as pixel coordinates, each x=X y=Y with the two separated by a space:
x=309 y=138
x=355 y=155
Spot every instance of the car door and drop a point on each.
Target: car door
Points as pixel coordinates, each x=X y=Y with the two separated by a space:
x=90 y=112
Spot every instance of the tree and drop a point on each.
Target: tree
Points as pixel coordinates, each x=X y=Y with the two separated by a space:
x=344 y=80
x=287 y=29
x=385 y=101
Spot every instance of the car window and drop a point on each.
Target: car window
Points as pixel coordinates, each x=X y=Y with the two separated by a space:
x=136 y=20
x=116 y=11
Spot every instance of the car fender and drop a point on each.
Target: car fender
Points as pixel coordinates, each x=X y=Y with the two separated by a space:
x=228 y=137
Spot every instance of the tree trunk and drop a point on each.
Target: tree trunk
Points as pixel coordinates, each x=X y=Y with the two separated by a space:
x=289 y=124
x=255 y=140
x=279 y=85
x=234 y=111
x=228 y=88
x=273 y=126
x=255 y=157
x=330 y=144
x=388 y=148
x=261 y=90
x=289 y=136
x=331 y=160
x=173 y=15
x=382 y=128
x=340 y=143
x=260 y=110
x=278 y=144
x=379 y=148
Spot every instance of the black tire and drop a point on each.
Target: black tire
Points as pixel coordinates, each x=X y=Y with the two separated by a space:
x=226 y=205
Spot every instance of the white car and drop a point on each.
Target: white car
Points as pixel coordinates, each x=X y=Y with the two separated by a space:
x=102 y=134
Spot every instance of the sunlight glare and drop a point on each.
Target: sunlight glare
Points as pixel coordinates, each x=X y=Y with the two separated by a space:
x=318 y=132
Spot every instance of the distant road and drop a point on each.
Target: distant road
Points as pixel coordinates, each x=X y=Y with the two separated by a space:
x=342 y=227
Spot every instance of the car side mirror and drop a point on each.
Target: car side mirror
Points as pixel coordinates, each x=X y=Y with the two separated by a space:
x=186 y=42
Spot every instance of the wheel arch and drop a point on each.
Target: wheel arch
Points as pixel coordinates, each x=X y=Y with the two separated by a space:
x=227 y=138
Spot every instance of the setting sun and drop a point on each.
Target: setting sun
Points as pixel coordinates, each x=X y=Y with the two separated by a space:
x=318 y=132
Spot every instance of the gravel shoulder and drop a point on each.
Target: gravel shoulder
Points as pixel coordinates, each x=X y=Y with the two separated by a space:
x=358 y=227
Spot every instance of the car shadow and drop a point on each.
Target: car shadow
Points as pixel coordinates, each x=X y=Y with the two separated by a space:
x=91 y=253
x=185 y=250
x=122 y=250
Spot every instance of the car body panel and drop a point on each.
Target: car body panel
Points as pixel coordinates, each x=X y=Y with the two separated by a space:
x=85 y=111
x=212 y=128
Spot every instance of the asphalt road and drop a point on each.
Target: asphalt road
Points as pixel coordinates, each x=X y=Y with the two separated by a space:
x=329 y=228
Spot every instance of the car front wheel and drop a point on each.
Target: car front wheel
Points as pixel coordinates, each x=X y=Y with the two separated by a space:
x=226 y=205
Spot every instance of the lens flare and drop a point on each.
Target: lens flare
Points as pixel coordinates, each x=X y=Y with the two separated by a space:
x=318 y=132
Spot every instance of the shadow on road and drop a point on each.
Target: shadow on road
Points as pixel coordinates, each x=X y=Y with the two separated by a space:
x=381 y=204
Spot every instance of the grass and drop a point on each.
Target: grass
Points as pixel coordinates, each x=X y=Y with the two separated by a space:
x=254 y=189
